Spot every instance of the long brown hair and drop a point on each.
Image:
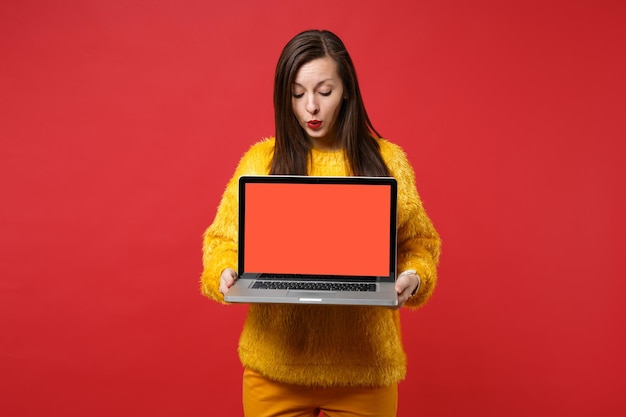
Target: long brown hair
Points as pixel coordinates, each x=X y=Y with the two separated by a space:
x=355 y=133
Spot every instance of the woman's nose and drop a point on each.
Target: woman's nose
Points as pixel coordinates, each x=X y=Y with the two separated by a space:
x=312 y=107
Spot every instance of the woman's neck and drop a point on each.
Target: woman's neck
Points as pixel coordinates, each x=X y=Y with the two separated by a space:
x=325 y=144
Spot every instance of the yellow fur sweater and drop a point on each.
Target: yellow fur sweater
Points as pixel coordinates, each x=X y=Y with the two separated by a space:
x=316 y=345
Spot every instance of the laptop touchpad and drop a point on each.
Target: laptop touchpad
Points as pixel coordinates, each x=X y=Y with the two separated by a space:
x=312 y=294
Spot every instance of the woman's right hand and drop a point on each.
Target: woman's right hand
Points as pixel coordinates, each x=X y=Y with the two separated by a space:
x=228 y=278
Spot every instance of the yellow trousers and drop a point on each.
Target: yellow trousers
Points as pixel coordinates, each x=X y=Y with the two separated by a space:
x=265 y=398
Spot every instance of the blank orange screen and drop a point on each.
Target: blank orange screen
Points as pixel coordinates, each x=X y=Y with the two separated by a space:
x=317 y=229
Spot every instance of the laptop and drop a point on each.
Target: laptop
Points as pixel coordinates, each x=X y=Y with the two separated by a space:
x=316 y=240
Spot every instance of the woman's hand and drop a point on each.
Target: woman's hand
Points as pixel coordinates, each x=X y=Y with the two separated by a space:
x=407 y=285
x=228 y=278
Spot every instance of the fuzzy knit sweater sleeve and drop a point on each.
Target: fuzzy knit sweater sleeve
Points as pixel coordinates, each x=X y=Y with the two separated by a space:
x=219 y=249
x=419 y=243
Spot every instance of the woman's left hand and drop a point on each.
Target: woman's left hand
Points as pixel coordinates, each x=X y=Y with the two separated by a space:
x=406 y=284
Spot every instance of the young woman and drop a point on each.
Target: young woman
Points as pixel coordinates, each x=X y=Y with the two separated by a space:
x=303 y=359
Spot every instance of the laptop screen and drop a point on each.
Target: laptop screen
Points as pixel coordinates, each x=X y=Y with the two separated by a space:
x=318 y=228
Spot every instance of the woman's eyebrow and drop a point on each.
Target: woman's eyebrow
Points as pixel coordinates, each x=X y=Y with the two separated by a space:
x=316 y=85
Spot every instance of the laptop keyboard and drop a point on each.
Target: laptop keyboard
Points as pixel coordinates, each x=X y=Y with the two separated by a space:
x=284 y=284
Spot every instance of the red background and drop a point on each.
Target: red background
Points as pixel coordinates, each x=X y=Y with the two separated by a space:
x=121 y=121
x=338 y=236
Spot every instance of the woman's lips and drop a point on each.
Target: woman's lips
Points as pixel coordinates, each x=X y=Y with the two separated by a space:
x=314 y=124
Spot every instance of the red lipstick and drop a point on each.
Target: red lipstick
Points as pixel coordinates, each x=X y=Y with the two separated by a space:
x=314 y=124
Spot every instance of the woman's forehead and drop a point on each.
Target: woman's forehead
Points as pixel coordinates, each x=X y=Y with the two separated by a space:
x=317 y=71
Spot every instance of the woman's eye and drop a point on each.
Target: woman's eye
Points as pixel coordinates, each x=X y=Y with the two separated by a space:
x=325 y=93
x=298 y=95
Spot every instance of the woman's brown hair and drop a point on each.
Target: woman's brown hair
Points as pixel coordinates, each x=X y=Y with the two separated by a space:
x=355 y=133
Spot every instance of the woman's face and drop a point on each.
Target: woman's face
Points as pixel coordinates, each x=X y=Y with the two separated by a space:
x=317 y=95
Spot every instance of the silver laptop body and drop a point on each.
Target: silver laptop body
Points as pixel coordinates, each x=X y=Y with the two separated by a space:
x=316 y=240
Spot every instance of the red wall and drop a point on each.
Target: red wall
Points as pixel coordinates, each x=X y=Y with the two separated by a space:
x=121 y=121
